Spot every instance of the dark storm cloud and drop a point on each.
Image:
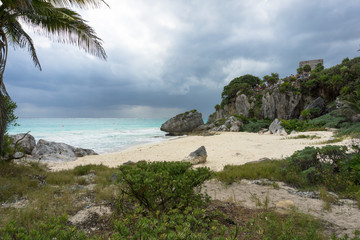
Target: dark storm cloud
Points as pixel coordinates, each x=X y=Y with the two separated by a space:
x=170 y=56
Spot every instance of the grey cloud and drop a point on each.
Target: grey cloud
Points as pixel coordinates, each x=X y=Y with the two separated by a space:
x=174 y=56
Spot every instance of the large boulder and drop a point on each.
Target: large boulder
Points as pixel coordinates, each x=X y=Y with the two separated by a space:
x=53 y=151
x=183 y=123
x=197 y=157
x=276 y=128
x=26 y=144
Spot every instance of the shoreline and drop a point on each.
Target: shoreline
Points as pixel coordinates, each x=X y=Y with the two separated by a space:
x=225 y=148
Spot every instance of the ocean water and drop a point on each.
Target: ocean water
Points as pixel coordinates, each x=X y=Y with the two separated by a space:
x=104 y=135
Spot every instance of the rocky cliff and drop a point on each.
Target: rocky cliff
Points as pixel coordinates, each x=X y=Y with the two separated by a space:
x=267 y=103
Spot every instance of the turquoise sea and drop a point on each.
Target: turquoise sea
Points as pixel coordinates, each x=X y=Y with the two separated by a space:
x=104 y=135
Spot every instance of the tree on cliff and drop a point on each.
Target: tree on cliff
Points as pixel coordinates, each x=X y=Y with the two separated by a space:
x=51 y=18
x=245 y=84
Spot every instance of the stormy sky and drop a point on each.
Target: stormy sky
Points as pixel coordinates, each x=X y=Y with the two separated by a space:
x=170 y=56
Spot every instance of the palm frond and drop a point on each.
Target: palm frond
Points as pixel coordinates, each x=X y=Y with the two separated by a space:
x=78 y=3
x=65 y=26
x=15 y=5
x=18 y=37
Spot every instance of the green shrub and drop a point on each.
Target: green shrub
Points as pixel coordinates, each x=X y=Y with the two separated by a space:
x=220 y=122
x=56 y=228
x=266 y=169
x=330 y=120
x=256 y=126
x=162 y=186
x=345 y=60
x=349 y=129
x=244 y=84
x=82 y=170
x=305 y=114
x=193 y=223
x=323 y=166
x=307 y=68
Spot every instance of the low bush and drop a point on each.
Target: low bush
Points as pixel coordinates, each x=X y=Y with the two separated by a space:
x=56 y=228
x=300 y=125
x=331 y=120
x=330 y=166
x=256 y=125
x=163 y=186
x=349 y=129
x=192 y=223
x=265 y=169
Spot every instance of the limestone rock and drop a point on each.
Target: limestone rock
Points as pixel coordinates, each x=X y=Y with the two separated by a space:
x=27 y=144
x=317 y=103
x=286 y=204
x=53 y=151
x=204 y=127
x=197 y=157
x=242 y=105
x=234 y=127
x=276 y=128
x=183 y=123
x=81 y=152
x=276 y=104
x=85 y=215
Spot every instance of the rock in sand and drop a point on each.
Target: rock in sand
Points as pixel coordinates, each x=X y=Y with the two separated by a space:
x=197 y=157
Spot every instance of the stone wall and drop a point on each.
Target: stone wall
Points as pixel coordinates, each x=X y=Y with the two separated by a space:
x=311 y=63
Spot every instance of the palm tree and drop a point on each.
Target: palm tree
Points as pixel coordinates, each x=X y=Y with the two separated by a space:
x=55 y=20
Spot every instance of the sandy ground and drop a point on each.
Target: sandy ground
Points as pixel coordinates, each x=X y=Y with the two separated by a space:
x=343 y=217
x=222 y=149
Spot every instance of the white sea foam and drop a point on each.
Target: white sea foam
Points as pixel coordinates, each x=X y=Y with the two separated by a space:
x=104 y=135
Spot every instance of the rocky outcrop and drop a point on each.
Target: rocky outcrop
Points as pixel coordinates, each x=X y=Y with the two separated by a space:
x=273 y=104
x=183 y=123
x=242 y=105
x=26 y=144
x=197 y=157
x=276 y=128
x=276 y=104
x=53 y=151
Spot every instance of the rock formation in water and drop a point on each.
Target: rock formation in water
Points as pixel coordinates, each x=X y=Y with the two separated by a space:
x=183 y=123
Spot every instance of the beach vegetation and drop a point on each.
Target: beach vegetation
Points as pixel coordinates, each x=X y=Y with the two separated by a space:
x=162 y=186
x=303 y=136
x=187 y=213
x=244 y=85
x=7 y=108
x=54 y=228
x=272 y=79
x=220 y=122
x=52 y=19
x=255 y=125
x=301 y=125
x=307 y=68
x=331 y=167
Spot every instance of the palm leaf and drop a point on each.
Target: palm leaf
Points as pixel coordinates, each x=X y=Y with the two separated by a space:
x=18 y=37
x=78 y=3
x=65 y=26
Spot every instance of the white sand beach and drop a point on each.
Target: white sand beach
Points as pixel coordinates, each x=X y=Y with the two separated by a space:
x=222 y=149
